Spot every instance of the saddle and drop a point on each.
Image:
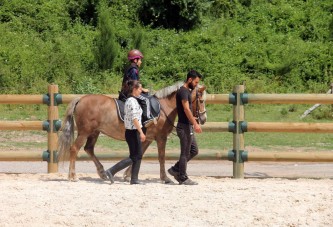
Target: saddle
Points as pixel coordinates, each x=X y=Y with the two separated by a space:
x=155 y=107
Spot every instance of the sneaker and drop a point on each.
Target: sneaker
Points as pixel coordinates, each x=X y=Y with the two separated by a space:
x=110 y=176
x=188 y=181
x=173 y=173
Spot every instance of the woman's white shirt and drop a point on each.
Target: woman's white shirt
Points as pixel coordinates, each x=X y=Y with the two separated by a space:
x=132 y=111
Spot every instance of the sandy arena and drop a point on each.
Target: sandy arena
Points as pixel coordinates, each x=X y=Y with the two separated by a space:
x=272 y=194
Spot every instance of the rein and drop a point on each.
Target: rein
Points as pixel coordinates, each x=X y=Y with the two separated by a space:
x=168 y=119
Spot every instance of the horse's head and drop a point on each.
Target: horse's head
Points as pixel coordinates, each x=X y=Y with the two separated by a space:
x=198 y=104
x=198 y=101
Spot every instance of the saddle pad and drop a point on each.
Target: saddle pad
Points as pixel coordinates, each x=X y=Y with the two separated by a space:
x=155 y=107
x=120 y=108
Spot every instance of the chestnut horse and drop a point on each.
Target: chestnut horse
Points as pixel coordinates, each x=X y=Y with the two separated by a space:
x=95 y=114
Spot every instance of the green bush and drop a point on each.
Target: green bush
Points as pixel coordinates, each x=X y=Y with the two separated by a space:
x=271 y=46
x=323 y=112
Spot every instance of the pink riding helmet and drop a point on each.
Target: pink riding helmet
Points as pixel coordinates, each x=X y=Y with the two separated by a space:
x=134 y=54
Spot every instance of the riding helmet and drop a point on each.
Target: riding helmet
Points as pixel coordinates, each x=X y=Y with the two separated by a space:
x=134 y=54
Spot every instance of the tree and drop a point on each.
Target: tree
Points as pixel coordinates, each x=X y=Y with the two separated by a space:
x=106 y=46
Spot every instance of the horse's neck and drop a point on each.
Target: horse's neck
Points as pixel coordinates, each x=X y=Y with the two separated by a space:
x=169 y=107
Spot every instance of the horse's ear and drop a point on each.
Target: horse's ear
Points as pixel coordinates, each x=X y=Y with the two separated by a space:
x=201 y=89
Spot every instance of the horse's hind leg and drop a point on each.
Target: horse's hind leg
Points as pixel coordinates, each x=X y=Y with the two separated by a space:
x=128 y=173
x=72 y=156
x=89 y=148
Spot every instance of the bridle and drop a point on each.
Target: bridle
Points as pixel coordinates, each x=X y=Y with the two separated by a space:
x=198 y=114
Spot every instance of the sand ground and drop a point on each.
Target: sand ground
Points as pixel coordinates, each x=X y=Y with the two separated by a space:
x=272 y=194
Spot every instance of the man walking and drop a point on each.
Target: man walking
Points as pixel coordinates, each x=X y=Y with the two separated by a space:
x=185 y=126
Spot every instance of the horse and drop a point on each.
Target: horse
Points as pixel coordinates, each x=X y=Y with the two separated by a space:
x=94 y=114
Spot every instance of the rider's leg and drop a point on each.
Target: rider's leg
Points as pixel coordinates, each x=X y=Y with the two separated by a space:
x=147 y=119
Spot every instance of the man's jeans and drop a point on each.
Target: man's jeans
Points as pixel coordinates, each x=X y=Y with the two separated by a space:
x=188 y=148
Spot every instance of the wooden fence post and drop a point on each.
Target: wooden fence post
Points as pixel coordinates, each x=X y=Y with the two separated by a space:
x=53 y=116
x=331 y=88
x=238 y=136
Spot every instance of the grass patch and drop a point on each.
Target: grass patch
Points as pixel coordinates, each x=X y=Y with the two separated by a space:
x=207 y=140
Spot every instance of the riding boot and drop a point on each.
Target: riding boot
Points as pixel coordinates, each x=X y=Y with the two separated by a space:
x=135 y=172
x=147 y=119
x=118 y=167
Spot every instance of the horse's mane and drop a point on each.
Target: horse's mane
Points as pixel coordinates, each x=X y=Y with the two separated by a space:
x=164 y=92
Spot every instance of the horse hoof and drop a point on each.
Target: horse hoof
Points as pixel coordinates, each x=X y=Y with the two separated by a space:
x=103 y=175
x=73 y=179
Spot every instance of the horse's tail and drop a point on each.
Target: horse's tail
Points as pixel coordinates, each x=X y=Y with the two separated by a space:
x=66 y=137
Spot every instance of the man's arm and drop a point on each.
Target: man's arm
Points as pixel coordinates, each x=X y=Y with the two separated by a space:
x=190 y=117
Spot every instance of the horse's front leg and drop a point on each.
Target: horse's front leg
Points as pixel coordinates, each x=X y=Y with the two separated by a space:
x=89 y=148
x=161 y=143
x=128 y=173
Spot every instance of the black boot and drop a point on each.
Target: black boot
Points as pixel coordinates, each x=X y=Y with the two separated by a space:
x=117 y=167
x=135 y=172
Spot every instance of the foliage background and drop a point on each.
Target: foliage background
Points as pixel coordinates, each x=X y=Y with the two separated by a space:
x=274 y=46
x=271 y=45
